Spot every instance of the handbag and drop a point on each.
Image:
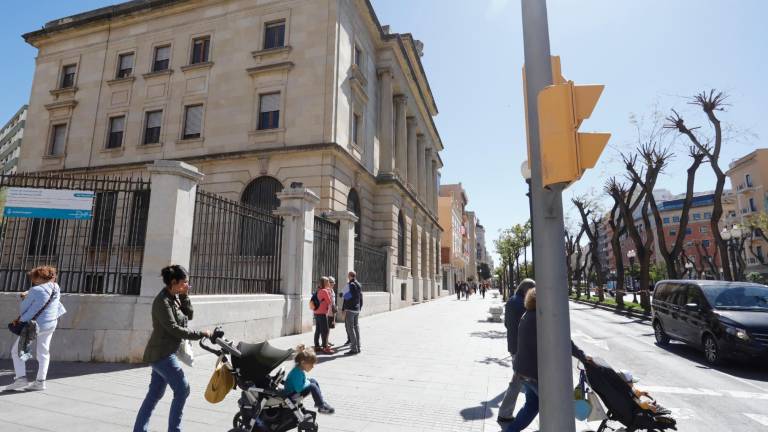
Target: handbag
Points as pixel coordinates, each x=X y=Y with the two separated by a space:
x=184 y=354
x=17 y=325
x=220 y=384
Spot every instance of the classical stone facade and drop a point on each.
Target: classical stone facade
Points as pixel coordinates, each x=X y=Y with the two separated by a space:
x=10 y=141
x=454 y=254
x=262 y=93
x=749 y=179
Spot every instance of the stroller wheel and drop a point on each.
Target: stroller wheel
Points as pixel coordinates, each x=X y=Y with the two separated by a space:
x=238 y=424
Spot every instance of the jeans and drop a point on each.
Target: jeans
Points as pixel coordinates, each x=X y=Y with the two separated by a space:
x=314 y=389
x=165 y=372
x=352 y=324
x=507 y=408
x=529 y=411
x=321 y=330
x=42 y=349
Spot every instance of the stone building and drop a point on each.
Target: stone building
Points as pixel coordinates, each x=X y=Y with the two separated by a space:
x=452 y=204
x=749 y=180
x=10 y=141
x=470 y=249
x=257 y=96
x=482 y=251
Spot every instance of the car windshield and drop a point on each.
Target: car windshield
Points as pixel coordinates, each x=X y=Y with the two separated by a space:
x=738 y=297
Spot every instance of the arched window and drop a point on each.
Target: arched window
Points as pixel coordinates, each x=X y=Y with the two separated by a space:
x=262 y=194
x=258 y=232
x=401 y=240
x=353 y=205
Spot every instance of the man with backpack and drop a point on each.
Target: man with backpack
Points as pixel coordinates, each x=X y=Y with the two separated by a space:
x=353 y=303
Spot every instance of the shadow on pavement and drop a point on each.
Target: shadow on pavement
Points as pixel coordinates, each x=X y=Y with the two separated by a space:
x=506 y=361
x=753 y=370
x=59 y=370
x=490 y=334
x=482 y=411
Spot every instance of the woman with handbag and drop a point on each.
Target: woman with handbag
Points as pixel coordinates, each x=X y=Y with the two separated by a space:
x=40 y=311
x=171 y=310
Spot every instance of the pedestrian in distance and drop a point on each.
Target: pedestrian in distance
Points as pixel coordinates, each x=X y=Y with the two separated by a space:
x=40 y=309
x=513 y=312
x=483 y=288
x=297 y=381
x=171 y=312
x=321 y=303
x=457 y=288
x=353 y=304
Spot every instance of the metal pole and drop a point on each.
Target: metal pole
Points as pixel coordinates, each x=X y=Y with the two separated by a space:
x=552 y=313
x=530 y=213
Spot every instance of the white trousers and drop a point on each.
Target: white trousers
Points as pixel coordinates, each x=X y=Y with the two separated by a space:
x=42 y=349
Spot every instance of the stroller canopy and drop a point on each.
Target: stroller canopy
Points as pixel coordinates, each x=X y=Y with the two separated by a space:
x=258 y=360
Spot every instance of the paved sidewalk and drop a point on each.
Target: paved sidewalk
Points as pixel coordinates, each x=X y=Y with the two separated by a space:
x=438 y=366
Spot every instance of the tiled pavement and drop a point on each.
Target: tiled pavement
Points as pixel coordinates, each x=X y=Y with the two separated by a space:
x=438 y=366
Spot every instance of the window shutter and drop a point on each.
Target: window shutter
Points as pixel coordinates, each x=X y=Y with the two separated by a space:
x=194 y=121
x=117 y=124
x=163 y=53
x=154 y=119
x=270 y=102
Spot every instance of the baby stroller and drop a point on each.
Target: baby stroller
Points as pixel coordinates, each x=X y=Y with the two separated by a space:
x=618 y=398
x=263 y=404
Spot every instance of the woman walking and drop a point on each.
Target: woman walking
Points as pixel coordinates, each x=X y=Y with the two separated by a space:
x=41 y=304
x=171 y=310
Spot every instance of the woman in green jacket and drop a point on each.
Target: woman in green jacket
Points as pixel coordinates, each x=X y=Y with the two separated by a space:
x=171 y=311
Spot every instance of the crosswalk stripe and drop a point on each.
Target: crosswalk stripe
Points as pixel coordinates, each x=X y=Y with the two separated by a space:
x=762 y=419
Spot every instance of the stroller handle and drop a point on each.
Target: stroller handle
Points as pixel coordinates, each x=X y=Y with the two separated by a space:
x=218 y=338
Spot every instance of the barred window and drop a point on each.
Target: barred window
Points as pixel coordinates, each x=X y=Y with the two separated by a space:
x=137 y=230
x=103 y=222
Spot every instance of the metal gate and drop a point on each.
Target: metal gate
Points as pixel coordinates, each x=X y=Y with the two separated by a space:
x=371 y=267
x=325 y=254
x=101 y=255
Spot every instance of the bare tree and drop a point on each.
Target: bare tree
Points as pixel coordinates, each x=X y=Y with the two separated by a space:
x=590 y=225
x=709 y=102
x=569 y=251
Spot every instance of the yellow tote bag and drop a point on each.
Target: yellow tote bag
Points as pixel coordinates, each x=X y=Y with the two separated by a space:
x=220 y=384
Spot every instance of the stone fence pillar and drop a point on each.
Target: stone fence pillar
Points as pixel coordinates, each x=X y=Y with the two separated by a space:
x=169 y=224
x=346 y=220
x=297 y=207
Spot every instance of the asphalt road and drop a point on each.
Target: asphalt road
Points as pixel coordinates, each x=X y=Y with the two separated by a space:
x=729 y=398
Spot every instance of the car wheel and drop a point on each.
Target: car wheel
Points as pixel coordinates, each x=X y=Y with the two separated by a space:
x=661 y=338
x=712 y=351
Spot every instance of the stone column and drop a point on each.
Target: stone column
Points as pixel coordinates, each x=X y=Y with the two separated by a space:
x=416 y=259
x=435 y=187
x=297 y=207
x=401 y=137
x=421 y=167
x=346 y=220
x=413 y=170
x=169 y=223
x=430 y=185
x=426 y=277
x=386 y=123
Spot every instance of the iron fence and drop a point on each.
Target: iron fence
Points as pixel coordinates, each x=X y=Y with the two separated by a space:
x=100 y=255
x=325 y=253
x=235 y=248
x=371 y=267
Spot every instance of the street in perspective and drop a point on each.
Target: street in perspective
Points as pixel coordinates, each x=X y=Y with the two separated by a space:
x=383 y=215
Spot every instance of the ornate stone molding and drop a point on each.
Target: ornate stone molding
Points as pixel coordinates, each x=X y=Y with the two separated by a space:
x=272 y=67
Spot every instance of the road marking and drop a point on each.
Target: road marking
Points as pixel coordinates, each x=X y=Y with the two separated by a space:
x=590 y=340
x=762 y=419
x=704 y=392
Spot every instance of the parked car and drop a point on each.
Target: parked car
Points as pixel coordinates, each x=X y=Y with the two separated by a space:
x=724 y=319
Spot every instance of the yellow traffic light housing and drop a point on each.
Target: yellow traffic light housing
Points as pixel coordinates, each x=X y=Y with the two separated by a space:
x=565 y=152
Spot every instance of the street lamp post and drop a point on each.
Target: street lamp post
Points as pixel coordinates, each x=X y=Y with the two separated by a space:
x=525 y=171
x=631 y=254
x=732 y=239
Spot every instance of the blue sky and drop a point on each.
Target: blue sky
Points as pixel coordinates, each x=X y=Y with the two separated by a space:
x=650 y=53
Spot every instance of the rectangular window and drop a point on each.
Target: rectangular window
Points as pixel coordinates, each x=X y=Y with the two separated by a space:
x=200 y=48
x=152 y=127
x=68 y=76
x=162 y=58
x=703 y=230
x=707 y=215
x=269 y=111
x=705 y=243
x=356 y=129
x=274 y=35
x=124 y=65
x=103 y=222
x=752 y=206
x=116 y=127
x=687 y=231
x=358 y=57
x=43 y=237
x=193 y=122
x=697 y=216
x=748 y=180
x=58 y=138
x=137 y=230
x=672 y=232
x=676 y=219
x=666 y=220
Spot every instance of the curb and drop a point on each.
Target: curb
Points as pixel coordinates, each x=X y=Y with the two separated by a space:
x=627 y=313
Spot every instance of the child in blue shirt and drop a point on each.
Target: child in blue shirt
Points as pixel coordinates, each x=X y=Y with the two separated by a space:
x=297 y=381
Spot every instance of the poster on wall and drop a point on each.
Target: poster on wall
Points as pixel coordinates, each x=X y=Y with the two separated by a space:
x=47 y=203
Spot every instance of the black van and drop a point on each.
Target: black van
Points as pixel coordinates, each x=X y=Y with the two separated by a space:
x=725 y=319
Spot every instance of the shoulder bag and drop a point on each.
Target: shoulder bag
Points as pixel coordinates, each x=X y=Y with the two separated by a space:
x=16 y=326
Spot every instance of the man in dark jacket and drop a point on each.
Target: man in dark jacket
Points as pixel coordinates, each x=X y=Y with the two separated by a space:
x=513 y=311
x=353 y=303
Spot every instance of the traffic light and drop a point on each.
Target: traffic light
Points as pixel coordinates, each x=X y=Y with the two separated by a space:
x=565 y=152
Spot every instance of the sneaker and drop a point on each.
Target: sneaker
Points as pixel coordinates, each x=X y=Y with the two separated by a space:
x=326 y=409
x=19 y=384
x=36 y=386
x=349 y=353
x=327 y=350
